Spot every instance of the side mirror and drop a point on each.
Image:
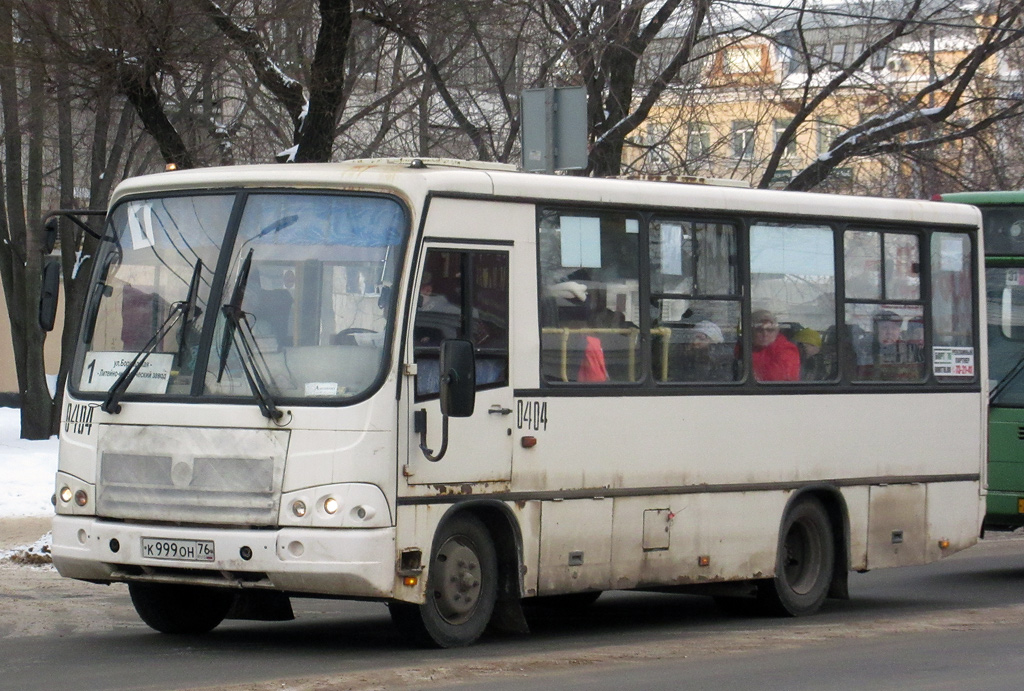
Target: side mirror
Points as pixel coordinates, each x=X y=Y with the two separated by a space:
x=50 y=229
x=48 y=294
x=458 y=378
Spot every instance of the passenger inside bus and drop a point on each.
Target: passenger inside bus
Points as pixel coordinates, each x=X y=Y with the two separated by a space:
x=812 y=364
x=775 y=358
x=888 y=353
x=701 y=357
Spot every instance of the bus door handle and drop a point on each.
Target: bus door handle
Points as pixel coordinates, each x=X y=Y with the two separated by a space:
x=498 y=409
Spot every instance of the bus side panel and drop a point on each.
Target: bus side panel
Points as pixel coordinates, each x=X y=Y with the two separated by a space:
x=951 y=506
x=857 y=513
x=897 y=525
x=575 y=545
x=662 y=540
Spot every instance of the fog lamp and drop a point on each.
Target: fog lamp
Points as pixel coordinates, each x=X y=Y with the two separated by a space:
x=299 y=508
x=65 y=494
x=331 y=505
x=81 y=498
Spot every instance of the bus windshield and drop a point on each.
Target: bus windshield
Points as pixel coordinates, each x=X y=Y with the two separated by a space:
x=1004 y=286
x=301 y=304
x=1004 y=230
x=1005 y=289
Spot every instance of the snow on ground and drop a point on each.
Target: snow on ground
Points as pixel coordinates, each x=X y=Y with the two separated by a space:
x=27 y=470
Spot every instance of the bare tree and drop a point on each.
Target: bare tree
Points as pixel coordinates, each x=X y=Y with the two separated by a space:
x=606 y=41
x=951 y=106
x=21 y=95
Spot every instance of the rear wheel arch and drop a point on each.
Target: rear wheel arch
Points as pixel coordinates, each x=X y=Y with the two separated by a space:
x=839 y=517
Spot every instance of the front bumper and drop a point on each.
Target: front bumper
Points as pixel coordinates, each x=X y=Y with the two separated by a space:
x=358 y=563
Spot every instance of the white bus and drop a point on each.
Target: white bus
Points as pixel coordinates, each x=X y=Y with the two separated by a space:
x=455 y=387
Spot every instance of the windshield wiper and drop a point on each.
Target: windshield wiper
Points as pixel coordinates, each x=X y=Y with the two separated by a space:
x=178 y=311
x=249 y=364
x=1003 y=383
x=233 y=311
x=235 y=319
x=189 y=311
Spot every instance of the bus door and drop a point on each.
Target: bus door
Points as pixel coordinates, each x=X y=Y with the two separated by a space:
x=463 y=292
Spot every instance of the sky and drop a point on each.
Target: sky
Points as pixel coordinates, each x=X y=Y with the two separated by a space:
x=27 y=469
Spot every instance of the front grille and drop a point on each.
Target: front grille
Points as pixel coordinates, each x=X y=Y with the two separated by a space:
x=177 y=478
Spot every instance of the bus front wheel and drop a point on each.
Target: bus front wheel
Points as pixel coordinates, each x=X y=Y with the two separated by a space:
x=462 y=587
x=180 y=609
x=806 y=560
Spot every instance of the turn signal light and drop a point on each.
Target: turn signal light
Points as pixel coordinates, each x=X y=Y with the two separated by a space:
x=410 y=581
x=943 y=544
x=81 y=498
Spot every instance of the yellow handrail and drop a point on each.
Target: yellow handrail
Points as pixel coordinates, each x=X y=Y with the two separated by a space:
x=632 y=333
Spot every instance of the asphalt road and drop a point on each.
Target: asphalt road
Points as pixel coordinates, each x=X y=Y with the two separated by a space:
x=955 y=624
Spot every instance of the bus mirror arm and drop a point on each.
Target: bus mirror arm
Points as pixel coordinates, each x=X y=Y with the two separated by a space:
x=420 y=425
x=457 y=392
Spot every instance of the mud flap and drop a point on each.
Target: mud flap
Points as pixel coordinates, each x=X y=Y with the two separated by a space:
x=839 y=589
x=508 y=617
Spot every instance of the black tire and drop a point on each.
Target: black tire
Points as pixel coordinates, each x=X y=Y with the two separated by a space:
x=180 y=609
x=805 y=562
x=462 y=587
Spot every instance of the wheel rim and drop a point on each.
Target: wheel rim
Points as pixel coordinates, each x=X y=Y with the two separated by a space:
x=802 y=557
x=458 y=583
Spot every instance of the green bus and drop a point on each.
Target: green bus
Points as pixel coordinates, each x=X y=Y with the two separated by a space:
x=1003 y=214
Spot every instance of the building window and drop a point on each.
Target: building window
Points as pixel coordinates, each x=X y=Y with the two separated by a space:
x=780 y=126
x=742 y=60
x=879 y=59
x=817 y=55
x=743 y=139
x=828 y=130
x=698 y=141
x=838 y=54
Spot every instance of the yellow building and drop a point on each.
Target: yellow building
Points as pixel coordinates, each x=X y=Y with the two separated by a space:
x=752 y=87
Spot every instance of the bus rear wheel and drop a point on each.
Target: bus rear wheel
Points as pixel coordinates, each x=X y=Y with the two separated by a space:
x=180 y=609
x=462 y=587
x=805 y=562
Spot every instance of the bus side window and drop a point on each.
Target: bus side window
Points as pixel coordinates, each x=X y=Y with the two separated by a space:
x=463 y=294
x=886 y=338
x=793 y=292
x=589 y=311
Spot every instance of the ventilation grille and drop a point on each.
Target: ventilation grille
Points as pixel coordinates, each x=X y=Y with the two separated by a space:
x=165 y=475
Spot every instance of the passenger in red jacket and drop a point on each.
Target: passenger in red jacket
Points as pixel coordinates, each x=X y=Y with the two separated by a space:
x=775 y=357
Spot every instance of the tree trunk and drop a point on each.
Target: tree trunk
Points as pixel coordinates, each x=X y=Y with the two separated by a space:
x=22 y=273
x=326 y=82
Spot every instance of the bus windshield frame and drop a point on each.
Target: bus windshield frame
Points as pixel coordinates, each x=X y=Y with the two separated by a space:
x=310 y=323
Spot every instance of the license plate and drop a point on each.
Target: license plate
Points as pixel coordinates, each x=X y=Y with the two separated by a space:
x=181 y=550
